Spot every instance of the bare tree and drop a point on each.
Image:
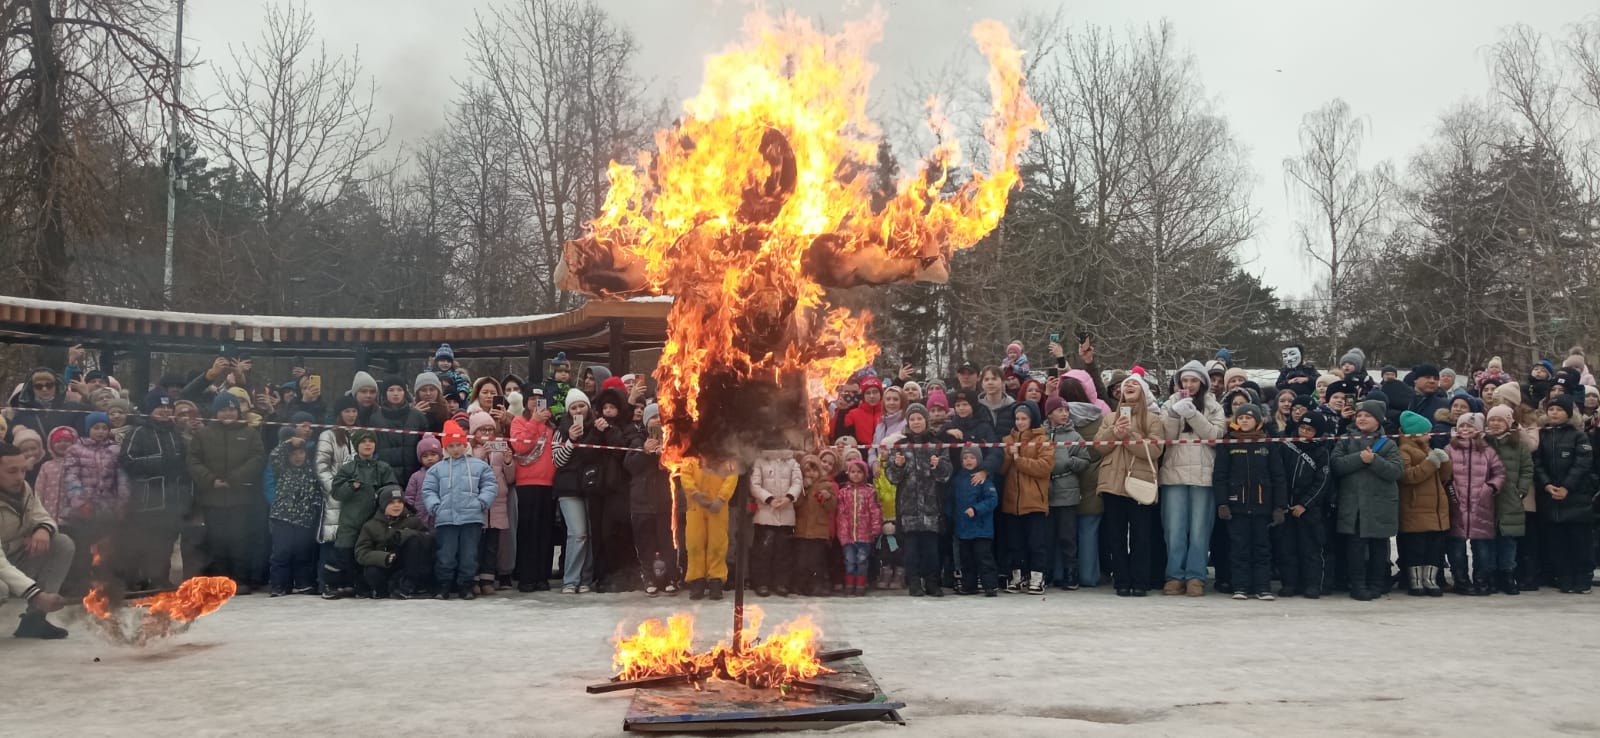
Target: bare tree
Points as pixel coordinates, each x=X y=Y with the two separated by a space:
x=1344 y=205
x=80 y=77
x=297 y=122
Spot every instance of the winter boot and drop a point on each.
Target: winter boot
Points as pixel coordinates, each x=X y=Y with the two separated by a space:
x=1463 y=585
x=1430 y=581
x=1508 y=583
x=915 y=590
x=1014 y=584
x=899 y=577
x=1036 y=583
x=469 y=591
x=34 y=625
x=1415 y=585
x=933 y=586
x=697 y=589
x=716 y=589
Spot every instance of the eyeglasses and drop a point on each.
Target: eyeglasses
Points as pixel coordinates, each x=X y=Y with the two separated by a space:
x=44 y=385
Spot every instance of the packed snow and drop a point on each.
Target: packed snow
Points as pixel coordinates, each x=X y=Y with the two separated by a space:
x=1064 y=663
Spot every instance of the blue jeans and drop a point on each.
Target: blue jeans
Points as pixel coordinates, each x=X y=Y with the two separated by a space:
x=456 y=561
x=855 y=559
x=577 y=558
x=1187 y=514
x=1089 y=550
x=1505 y=552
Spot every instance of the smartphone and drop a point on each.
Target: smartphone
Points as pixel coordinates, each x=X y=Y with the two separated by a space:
x=499 y=446
x=501 y=402
x=656 y=433
x=1055 y=338
x=315 y=383
x=543 y=405
x=1127 y=412
x=1083 y=336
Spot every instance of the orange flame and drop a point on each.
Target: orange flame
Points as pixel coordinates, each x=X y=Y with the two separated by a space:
x=663 y=649
x=759 y=199
x=162 y=614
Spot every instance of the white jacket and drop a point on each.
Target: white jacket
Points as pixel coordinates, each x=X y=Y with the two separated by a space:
x=1191 y=463
x=776 y=474
x=331 y=454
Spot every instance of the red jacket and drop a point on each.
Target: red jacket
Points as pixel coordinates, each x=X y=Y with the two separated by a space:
x=530 y=442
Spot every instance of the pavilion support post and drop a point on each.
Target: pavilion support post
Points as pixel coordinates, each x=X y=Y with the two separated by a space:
x=536 y=362
x=140 y=382
x=362 y=358
x=108 y=360
x=619 y=347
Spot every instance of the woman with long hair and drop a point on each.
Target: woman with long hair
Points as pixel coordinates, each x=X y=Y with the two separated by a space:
x=1128 y=524
x=1188 y=505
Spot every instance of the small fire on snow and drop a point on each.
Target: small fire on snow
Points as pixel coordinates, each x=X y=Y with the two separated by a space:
x=659 y=648
x=161 y=615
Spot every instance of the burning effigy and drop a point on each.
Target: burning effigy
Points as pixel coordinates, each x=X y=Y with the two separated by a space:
x=751 y=207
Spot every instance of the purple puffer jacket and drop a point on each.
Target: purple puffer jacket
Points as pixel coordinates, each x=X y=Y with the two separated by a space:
x=1479 y=476
x=94 y=487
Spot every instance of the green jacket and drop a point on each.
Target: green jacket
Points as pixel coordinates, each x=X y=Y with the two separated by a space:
x=1518 y=461
x=230 y=452
x=357 y=504
x=1369 y=494
x=383 y=535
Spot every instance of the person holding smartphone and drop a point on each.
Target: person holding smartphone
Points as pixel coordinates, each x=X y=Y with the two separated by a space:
x=1188 y=507
x=1128 y=524
x=531 y=443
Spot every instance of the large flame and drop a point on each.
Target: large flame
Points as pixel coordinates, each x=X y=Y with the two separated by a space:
x=160 y=615
x=659 y=648
x=758 y=199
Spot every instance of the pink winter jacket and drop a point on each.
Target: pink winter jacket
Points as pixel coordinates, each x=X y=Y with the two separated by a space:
x=94 y=486
x=499 y=515
x=858 y=518
x=51 y=486
x=1478 y=477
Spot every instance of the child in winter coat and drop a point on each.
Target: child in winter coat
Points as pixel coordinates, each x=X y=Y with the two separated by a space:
x=394 y=550
x=1478 y=478
x=355 y=488
x=919 y=476
x=650 y=506
x=1561 y=479
x=707 y=488
x=293 y=518
x=1025 y=504
x=775 y=485
x=1368 y=468
x=1016 y=362
x=856 y=523
x=444 y=365
x=51 y=484
x=497 y=525
x=813 y=528
x=458 y=491
x=1424 y=506
x=1065 y=489
x=972 y=506
x=429 y=452
x=95 y=490
x=1510 y=518
x=1251 y=495
x=1310 y=488
x=888 y=554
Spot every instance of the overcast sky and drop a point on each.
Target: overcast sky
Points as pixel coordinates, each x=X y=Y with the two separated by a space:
x=1398 y=64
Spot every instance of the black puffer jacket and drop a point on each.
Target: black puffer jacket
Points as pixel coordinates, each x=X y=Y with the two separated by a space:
x=1250 y=476
x=1565 y=459
x=399 y=449
x=156 y=461
x=1307 y=475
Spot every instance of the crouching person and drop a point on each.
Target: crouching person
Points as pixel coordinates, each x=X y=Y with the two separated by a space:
x=458 y=492
x=34 y=558
x=395 y=551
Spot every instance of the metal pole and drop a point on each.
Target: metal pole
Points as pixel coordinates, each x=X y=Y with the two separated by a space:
x=741 y=556
x=172 y=161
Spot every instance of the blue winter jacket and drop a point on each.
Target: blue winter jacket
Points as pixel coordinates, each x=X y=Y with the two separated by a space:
x=982 y=498
x=459 y=491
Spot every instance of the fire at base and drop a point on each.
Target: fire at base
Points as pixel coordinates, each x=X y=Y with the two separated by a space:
x=757 y=201
x=659 y=648
x=159 y=616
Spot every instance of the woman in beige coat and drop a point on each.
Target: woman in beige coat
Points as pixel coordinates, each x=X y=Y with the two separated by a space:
x=1188 y=508
x=1128 y=525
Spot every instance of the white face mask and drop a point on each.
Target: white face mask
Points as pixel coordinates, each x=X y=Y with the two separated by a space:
x=1291 y=357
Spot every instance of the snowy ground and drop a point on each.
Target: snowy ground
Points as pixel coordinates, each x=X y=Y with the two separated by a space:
x=1063 y=664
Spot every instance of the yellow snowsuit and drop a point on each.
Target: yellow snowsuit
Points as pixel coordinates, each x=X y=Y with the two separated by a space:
x=705 y=533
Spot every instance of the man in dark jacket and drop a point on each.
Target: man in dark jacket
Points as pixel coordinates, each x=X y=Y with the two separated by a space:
x=1310 y=487
x=398 y=449
x=610 y=523
x=1297 y=373
x=394 y=550
x=1562 y=482
x=1427 y=400
x=42 y=405
x=160 y=494
x=225 y=463
x=650 y=506
x=1251 y=493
